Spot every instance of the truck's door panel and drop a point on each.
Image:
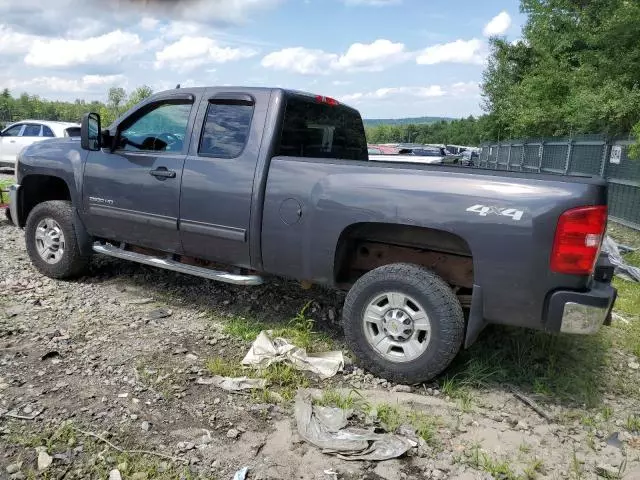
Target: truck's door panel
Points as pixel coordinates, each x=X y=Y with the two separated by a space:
x=133 y=194
x=218 y=176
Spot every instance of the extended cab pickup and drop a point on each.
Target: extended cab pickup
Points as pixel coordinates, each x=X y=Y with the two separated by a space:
x=235 y=184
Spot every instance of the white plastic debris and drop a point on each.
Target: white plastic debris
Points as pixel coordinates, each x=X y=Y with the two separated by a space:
x=44 y=459
x=266 y=351
x=241 y=474
x=325 y=427
x=623 y=269
x=115 y=474
x=233 y=384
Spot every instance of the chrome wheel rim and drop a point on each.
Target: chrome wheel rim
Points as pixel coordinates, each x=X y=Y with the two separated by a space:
x=50 y=242
x=397 y=327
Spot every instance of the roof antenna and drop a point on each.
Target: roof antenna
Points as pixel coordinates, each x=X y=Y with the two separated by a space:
x=178 y=86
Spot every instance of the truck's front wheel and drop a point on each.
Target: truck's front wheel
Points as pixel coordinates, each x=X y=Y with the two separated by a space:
x=51 y=240
x=403 y=322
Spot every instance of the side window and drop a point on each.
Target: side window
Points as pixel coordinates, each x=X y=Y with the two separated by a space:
x=46 y=132
x=226 y=128
x=31 y=130
x=161 y=129
x=12 y=131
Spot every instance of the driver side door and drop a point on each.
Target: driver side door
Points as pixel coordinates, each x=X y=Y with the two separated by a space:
x=132 y=194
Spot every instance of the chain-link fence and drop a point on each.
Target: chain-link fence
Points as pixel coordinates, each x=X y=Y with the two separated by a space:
x=588 y=155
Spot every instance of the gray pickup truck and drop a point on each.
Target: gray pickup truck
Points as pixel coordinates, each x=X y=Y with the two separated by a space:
x=236 y=184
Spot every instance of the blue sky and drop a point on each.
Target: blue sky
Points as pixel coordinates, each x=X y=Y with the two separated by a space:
x=388 y=58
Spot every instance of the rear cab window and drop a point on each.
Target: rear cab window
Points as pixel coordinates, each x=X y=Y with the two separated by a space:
x=317 y=127
x=226 y=128
x=72 y=132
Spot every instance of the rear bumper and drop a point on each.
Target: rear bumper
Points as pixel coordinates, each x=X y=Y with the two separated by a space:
x=581 y=312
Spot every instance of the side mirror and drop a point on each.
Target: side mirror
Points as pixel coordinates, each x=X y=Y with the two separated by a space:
x=90 y=132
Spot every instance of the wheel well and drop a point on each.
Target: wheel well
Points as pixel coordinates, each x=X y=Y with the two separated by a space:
x=365 y=246
x=36 y=189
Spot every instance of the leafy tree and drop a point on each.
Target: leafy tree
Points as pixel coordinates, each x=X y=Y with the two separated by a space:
x=116 y=96
x=575 y=70
x=138 y=95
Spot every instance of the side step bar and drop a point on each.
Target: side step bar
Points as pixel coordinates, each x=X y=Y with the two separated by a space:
x=167 y=264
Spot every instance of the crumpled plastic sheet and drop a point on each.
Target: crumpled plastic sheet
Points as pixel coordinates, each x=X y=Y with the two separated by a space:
x=622 y=268
x=241 y=474
x=266 y=351
x=325 y=427
x=233 y=384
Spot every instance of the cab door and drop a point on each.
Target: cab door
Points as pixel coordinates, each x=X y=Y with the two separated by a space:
x=132 y=194
x=218 y=178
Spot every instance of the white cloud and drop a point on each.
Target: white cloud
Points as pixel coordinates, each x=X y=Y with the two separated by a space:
x=390 y=93
x=371 y=57
x=461 y=51
x=373 y=3
x=12 y=42
x=105 y=49
x=498 y=25
x=47 y=84
x=341 y=82
x=149 y=23
x=191 y=52
x=301 y=60
x=465 y=89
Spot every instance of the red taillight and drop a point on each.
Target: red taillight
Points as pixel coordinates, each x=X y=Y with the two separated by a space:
x=578 y=239
x=327 y=100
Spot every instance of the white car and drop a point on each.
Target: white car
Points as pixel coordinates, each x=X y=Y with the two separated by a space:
x=18 y=135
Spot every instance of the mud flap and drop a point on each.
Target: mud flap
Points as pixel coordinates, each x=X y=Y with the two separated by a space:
x=85 y=242
x=476 y=322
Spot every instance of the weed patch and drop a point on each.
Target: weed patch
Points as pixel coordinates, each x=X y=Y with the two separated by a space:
x=299 y=331
x=559 y=367
x=283 y=377
x=392 y=417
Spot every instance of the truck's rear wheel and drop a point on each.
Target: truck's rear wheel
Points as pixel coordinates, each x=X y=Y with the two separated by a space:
x=403 y=323
x=51 y=240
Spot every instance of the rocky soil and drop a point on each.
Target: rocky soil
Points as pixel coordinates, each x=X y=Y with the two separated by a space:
x=94 y=371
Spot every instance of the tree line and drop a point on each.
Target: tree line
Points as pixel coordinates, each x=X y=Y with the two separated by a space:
x=32 y=106
x=469 y=131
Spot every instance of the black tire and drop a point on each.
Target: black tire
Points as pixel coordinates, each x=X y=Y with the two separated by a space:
x=436 y=298
x=72 y=263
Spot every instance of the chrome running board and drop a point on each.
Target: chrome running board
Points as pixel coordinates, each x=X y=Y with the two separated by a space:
x=172 y=265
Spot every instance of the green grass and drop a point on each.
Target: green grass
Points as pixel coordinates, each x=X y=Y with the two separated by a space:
x=4 y=185
x=624 y=235
x=299 y=331
x=633 y=423
x=333 y=398
x=392 y=417
x=560 y=367
x=225 y=368
x=479 y=460
x=283 y=378
x=92 y=462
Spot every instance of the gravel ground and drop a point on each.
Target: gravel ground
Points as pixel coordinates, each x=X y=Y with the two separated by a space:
x=110 y=362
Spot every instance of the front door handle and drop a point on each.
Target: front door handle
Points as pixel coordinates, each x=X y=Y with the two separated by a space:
x=162 y=172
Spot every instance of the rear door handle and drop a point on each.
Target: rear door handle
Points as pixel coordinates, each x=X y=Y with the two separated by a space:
x=162 y=172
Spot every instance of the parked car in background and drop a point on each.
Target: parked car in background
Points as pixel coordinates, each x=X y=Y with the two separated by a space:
x=375 y=149
x=18 y=135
